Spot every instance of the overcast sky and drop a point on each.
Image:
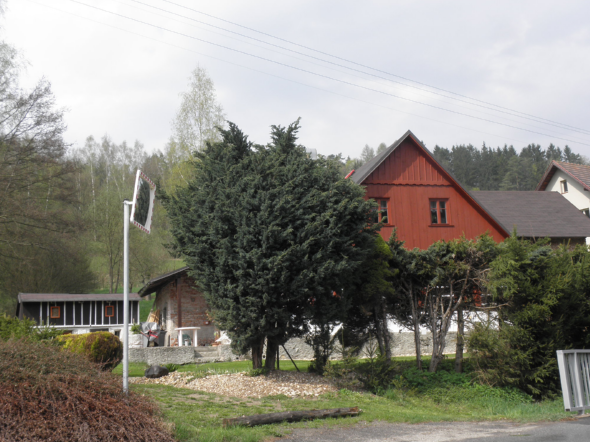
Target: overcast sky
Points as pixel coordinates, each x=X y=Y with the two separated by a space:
x=453 y=72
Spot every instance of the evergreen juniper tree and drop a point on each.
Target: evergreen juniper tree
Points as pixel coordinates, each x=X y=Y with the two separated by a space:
x=268 y=233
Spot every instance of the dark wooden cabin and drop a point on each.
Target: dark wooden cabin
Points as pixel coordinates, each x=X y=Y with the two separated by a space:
x=78 y=313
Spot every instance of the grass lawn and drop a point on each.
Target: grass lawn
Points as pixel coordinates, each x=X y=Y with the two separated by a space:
x=198 y=415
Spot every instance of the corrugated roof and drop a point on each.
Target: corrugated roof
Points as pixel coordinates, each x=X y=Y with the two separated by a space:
x=55 y=297
x=535 y=214
x=578 y=172
x=155 y=283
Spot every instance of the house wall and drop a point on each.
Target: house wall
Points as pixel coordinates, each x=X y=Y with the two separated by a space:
x=79 y=314
x=409 y=179
x=193 y=310
x=576 y=194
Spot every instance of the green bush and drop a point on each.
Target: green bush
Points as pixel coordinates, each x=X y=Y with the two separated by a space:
x=102 y=348
x=172 y=367
x=14 y=328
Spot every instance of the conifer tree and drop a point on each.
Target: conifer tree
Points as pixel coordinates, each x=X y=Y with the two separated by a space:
x=268 y=233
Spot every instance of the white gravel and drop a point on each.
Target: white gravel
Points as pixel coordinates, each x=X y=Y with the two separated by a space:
x=290 y=384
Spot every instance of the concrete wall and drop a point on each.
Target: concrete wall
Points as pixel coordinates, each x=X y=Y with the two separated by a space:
x=193 y=308
x=402 y=345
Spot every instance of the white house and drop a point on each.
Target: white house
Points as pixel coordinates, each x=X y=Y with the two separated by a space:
x=570 y=180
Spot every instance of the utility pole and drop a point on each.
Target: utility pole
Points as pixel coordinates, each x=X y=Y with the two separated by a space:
x=126 y=205
x=142 y=207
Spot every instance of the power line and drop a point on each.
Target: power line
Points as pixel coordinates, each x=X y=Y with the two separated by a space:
x=345 y=67
x=324 y=76
x=278 y=76
x=552 y=122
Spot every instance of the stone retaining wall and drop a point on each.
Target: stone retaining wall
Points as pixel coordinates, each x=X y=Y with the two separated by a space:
x=402 y=345
x=162 y=355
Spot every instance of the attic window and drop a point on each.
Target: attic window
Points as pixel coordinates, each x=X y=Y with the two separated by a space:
x=54 y=312
x=586 y=212
x=109 y=311
x=563 y=186
x=438 y=212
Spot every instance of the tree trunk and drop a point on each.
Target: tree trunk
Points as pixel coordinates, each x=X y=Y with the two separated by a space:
x=416 y=320
x=272 y=348
x=460 y=340
x=417 y=345
x=257 y=354
x=386 y=335
x=290 y=416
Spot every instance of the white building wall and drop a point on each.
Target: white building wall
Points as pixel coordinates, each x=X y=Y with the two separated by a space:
x=575 y=194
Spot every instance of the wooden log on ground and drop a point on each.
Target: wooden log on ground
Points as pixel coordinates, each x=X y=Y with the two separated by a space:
x=290 y=416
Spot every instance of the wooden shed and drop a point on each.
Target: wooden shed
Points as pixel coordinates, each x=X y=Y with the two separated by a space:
x=180 y=304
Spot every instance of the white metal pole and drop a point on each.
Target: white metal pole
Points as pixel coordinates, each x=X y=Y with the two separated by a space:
x=126 y=205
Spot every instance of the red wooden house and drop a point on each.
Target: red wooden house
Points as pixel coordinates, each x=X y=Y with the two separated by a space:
x=419 y=197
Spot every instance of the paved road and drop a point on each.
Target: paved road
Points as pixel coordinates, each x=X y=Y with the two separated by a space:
x=568 y=431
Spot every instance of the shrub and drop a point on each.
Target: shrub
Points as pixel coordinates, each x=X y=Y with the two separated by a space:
x=52 y=395
x=102 y=348
x=172 y=367
x=14 y=328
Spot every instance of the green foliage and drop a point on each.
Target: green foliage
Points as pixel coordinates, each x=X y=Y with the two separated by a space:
x=268 y=234
x=102 y=348
x=135 y=329
x=543 y=306
x=371 y=297
x=254 y=372
x=172 y=367
x=501 y=168
x=14 y=328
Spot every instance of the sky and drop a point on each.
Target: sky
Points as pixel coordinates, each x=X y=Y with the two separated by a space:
x=356 y=73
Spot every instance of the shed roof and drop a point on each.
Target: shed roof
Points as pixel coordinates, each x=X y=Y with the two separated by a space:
x=58 y=297
x=578 y=172
x=535 y=214
x=157 y=282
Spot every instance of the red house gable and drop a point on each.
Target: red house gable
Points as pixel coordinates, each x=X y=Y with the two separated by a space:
x=420 y=198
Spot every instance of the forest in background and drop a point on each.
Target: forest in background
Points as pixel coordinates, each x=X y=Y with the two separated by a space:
x=502 y=168
x=61 y=206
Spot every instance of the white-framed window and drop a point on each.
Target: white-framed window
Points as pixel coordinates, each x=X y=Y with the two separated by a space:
x=381 y=213
x=563 y=184
x=439 y=211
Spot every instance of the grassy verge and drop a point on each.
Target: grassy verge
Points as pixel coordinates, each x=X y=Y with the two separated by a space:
x=198 y=415
x=411 y=397
x=137 y=369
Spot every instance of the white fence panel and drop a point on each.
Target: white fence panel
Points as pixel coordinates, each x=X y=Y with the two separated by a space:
x=574 y=372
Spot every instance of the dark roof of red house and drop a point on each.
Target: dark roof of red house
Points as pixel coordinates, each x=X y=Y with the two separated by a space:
x=59 y=297
x=535 y=214
x=157 y=282
x=578 y=172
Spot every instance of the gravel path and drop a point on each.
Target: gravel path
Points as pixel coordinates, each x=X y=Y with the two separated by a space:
x=290 y=384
